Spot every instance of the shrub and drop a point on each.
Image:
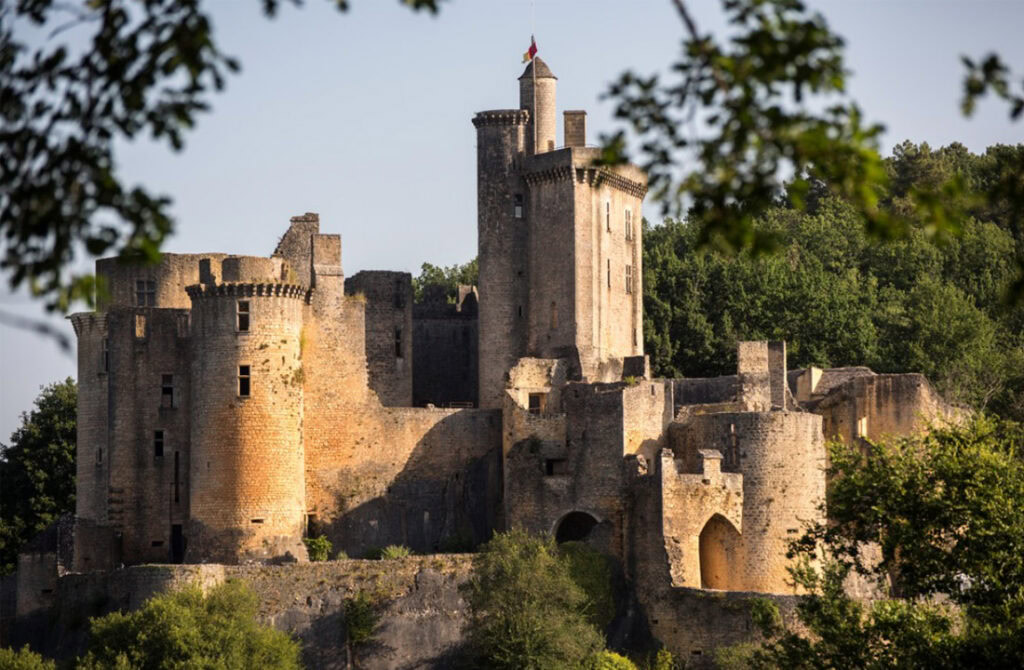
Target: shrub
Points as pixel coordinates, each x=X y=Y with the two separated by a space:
x=319 y=548
x=607 y=660
x=23 y=659
x=395 y=551
x=187 y=629
x=341 y=555
x=592 y=572
x=525 y=609
x=361 y=618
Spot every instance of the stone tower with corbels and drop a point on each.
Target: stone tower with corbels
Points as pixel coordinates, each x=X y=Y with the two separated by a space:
x=559 y=243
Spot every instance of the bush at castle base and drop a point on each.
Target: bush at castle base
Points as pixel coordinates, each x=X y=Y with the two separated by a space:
x=526 y=612
x=608 y=660
x=23 y=659
x=187 y=629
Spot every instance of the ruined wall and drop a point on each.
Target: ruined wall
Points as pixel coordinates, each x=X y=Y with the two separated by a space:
x=445 y=366
x=169 y=277
x=648 y=408
x=247 y=466
x=425 y=478
x=423 y=615
x=878 y=406
x=390 y=349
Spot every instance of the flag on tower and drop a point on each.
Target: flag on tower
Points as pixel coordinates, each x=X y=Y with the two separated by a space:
x=532 y=51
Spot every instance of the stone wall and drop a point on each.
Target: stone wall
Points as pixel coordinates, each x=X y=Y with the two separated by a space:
x=390 y=349
x=425 y=478
x=445 y=351
x=422 y=612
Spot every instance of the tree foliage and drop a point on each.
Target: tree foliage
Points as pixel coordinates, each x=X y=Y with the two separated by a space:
x=437 y=282
x=23 y=659
x=149 y=68
x=839 y=297
x=187 y=629
x=742 y=113
x=38 y=470
x=946 y=511
x=526 y=612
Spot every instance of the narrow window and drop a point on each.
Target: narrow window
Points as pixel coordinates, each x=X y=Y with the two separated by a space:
x=608 y=215
x=99 y=456
x=536 y=403
x=183 y=325
x=629 y=279
x=398 y=342
x=167 y=390
x=518 y=210
x=243 y=381
x=140 y=326
x=106 y=355
x=243 y=316
x=158 y=443
x=145 y=292
x=399 y=294
x=257 y=521
x=520 y=311
x=609 y=264
x=629 y=224
x=157 y=543
x=551 y=145
x=634 y=344
x=177 y=474
x=554 y=316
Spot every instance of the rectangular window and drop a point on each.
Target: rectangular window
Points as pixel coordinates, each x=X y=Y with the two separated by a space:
x=243 y=381
x=399 y=294
x=629 y=279
x=145 y=292
x=518 y=210
x=167 y=390
x=243 y=316
x=398 y=342
x=629 y=225
x=536 y=401
x=182 y=322
x=158 y=443
x=177 y=474
x=608 y=215
x=556 y=466
x=609 y=266
x=106 y=355
x=554 y=316
x=634 y=344
x=99 y=456
x=140 y=326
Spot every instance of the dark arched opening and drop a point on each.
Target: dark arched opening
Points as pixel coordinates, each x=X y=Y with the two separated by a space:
x=575 y=527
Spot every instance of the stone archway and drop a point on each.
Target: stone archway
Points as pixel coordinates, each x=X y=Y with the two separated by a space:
x=719 y=544
x=575 y=527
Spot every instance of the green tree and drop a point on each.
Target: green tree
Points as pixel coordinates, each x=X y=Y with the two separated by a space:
x=771 y=97
x=37 y=469
x=187 y=629
x=946 y=512
x=149 y=68
x=24 y=659
x=437 y=282
x=526 y=612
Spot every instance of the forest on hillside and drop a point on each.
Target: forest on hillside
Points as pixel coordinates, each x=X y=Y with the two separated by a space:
x=839 y=296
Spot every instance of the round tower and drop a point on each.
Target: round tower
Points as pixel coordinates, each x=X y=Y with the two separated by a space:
x=781 y=456
x=537 y=95
x=247 y=469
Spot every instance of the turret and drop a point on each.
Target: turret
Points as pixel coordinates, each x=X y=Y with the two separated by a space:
x=247 y=470
x=537 y=95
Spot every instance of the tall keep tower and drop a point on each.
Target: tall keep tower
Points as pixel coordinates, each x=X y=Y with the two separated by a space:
x=559 y=243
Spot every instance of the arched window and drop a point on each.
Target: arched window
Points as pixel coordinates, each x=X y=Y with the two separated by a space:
x=575 y=527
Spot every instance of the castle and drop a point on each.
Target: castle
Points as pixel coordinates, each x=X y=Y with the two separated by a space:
x=229 y=406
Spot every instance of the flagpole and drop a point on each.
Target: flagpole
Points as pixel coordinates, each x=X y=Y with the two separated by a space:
x=533 y=68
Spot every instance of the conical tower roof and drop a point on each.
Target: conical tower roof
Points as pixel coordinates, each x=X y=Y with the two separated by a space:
x=543 y=71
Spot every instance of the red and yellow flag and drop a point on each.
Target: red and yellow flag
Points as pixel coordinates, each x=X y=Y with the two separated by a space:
x=532 y=51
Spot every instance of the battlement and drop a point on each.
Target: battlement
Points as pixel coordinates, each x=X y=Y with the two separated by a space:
x=502 y=117
x=246 y=289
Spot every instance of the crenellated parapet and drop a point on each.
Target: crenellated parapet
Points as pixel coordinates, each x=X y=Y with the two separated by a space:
x=249 y=290
x=502 y=117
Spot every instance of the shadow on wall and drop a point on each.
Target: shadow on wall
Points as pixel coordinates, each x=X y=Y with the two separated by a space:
x=446 y=498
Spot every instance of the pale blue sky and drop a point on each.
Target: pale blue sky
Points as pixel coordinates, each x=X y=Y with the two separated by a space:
x=364 y=117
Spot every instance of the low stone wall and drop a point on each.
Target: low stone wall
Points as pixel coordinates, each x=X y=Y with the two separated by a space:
x=422 y=613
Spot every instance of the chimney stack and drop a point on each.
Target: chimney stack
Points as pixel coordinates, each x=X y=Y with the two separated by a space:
x=575 y=128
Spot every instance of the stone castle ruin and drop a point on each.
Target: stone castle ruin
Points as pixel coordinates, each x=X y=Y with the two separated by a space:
x=230 y=406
